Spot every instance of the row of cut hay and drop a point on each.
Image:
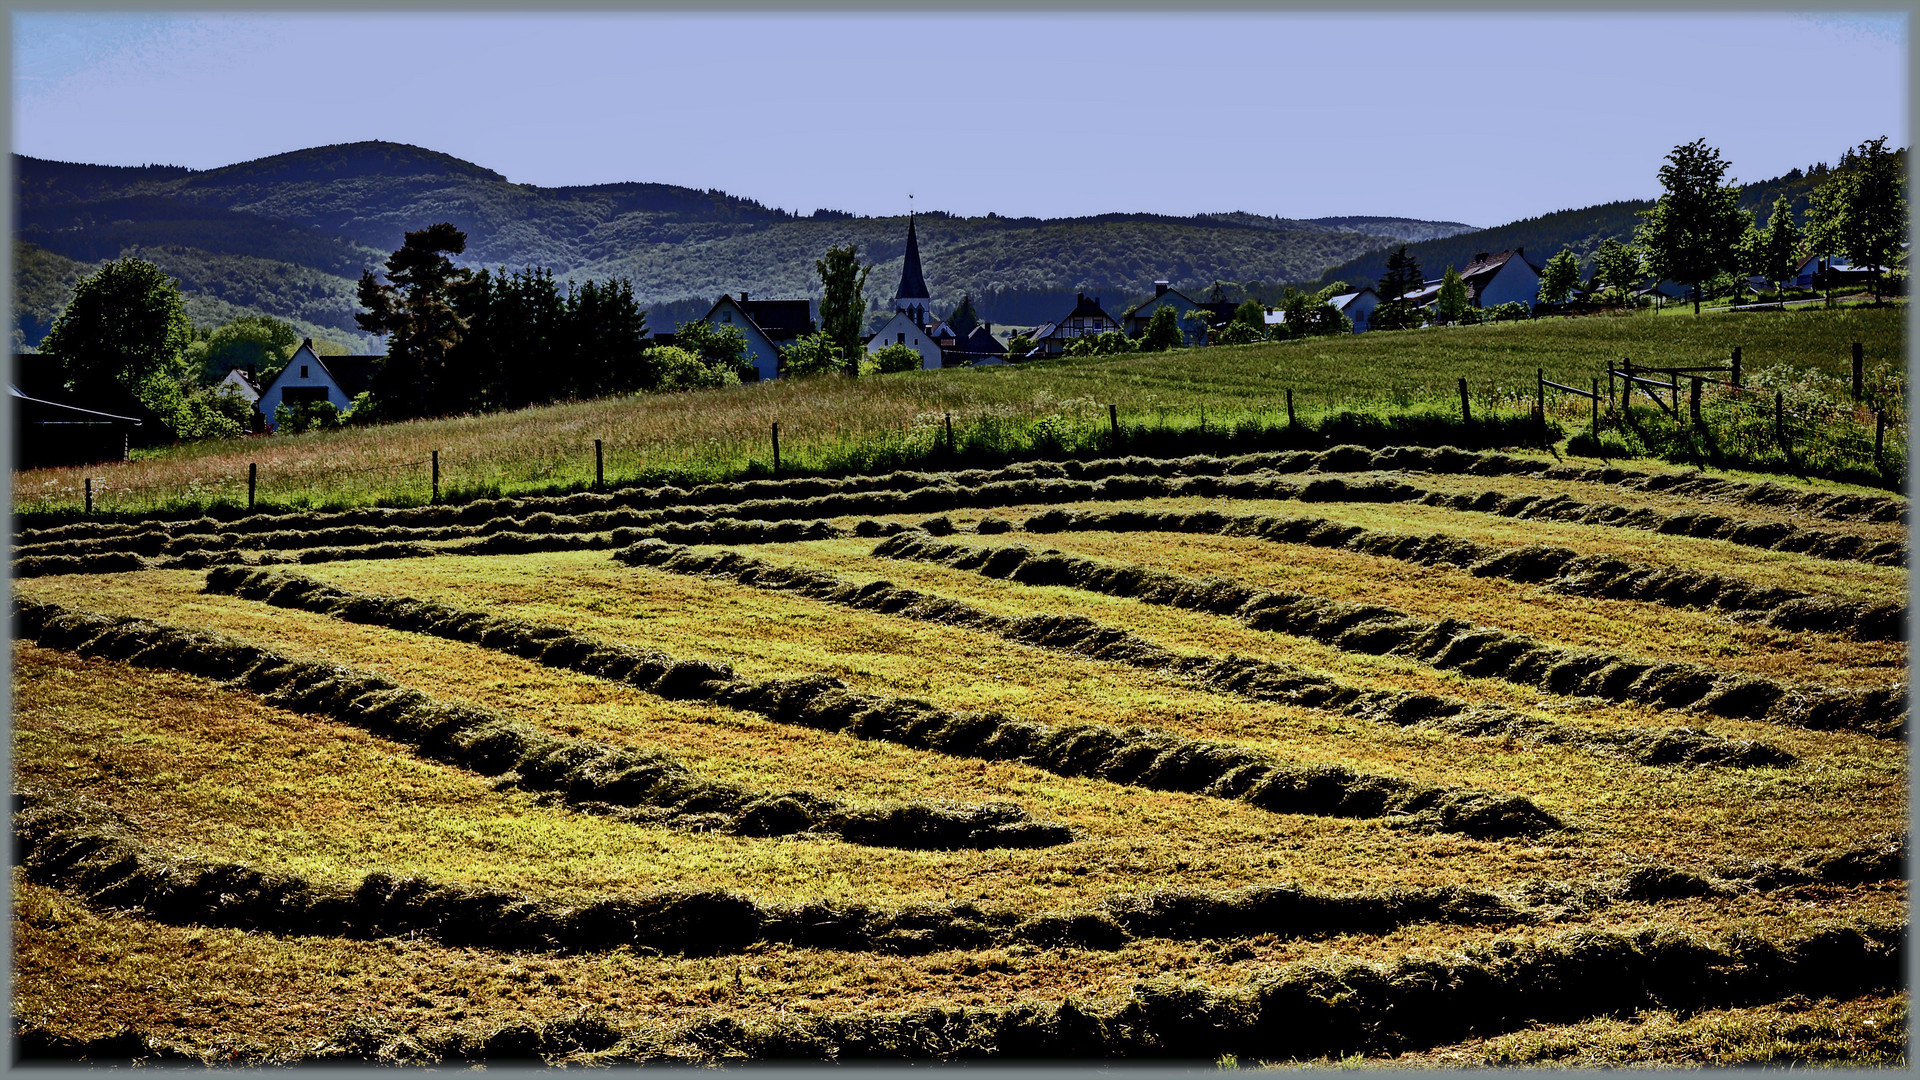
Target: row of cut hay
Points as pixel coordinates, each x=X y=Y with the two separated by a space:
x=476 y=542
x=1257 y=680
x=1446 y=644
x=1341 y=459
x=642 y=786
x=1560 y=569
x=1132 y=756
x=1308 y=1010
x=1030 y=483
x=87 y=850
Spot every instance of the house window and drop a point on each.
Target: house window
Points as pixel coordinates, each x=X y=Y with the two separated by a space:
x=303 y=371
x=727 y=316
x=903 y=338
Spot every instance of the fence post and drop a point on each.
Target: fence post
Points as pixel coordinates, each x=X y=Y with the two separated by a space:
x=1540 y=400
x=1736 y=367
x=1113 y=419
x=253 y=477
x=949 y=433
x=599 y=468
x=1626 y=385
x=776 y=447
x=1879 y=438
x=89 y=494
x=1291 y=422
x=1859 y=370
x=1780 y=419
x=1595 y=426
x=436 y=476
x=1203 y=419
x=1466 y=411
x=1693 y=402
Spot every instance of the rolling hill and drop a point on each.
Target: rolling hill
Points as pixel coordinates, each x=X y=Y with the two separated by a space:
x=289 y=235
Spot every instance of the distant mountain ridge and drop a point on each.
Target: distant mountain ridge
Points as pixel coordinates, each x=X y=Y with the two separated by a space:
x=289 y=234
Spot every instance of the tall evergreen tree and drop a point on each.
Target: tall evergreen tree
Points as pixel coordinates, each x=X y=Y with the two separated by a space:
x=414 y=312
x=1401 y=278
x=843 y=283
x=1692 y=233
x=964 y=317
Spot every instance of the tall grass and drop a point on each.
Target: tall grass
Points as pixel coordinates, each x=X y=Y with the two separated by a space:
x=1386 y=382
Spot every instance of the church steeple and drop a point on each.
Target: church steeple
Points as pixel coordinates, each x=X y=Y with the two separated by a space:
x=913 y=283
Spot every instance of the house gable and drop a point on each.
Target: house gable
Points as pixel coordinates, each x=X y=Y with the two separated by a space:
x=902 y=330
x=761 y=349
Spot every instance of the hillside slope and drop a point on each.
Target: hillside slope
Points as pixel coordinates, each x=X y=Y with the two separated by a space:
x=312 y=220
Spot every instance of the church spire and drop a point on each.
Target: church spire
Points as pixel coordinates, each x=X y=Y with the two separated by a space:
x=913 y=283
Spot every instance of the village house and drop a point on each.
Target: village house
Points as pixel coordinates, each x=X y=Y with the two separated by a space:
x=768 y=326
x=1356 y=306
x=1085 y=320
x=976 y=347
x=1165 y=295
x=337 y=379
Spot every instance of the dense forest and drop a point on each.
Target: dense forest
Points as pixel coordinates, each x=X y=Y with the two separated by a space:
x=289 y=235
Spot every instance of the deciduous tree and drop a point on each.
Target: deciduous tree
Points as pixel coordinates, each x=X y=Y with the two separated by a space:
x=964 y=317
x=1775 y=251
x=1691 y=233
x=1162 y=331
x=1618 y=267
x=125 y=324
x=1874 y=217
x=1558 y=278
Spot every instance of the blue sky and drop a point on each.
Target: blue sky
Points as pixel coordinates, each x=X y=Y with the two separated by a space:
x=1481 y=118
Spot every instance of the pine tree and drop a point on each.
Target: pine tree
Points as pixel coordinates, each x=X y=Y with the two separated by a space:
x=414 y=312
x=964 y=317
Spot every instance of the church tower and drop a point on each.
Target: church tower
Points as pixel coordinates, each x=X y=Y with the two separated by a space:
x=912 y=296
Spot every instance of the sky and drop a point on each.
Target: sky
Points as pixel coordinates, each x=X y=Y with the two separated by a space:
x=1477 y=118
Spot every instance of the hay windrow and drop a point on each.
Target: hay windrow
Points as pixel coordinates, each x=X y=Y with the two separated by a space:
x=1258 y=680
x=1560 y=569
x=1245 y=476
x=1306 y=1010
x=1446 y=644
x=629 y=784
x=1137 y=756
x=89 y=851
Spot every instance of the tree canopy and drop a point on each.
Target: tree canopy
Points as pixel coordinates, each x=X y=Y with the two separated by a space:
x=125 y=324
x=414 y=311
x=1873 y=217
x=843 y=283
x=1558 y=278
x=1692 y=232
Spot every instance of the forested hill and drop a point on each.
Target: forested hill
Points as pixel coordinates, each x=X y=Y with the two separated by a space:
x=288 y=236
x=1579 y=230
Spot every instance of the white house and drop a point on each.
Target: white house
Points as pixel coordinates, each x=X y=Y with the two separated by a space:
x=903 y=330
x=762 y=351
x=1357 y=306
x=307 y=377
x=241 y=383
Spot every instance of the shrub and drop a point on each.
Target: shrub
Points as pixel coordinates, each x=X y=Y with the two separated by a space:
x=811 y=355
x=305 y=416
x=894 y=358
x=681 y=369
x=1162 y=332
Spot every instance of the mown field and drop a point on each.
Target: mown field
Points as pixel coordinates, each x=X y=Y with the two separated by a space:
x=1195 y=399
x=1396 y=757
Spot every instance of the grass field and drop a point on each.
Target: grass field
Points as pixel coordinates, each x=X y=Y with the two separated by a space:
x=354 y=811
x=1192 y=398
